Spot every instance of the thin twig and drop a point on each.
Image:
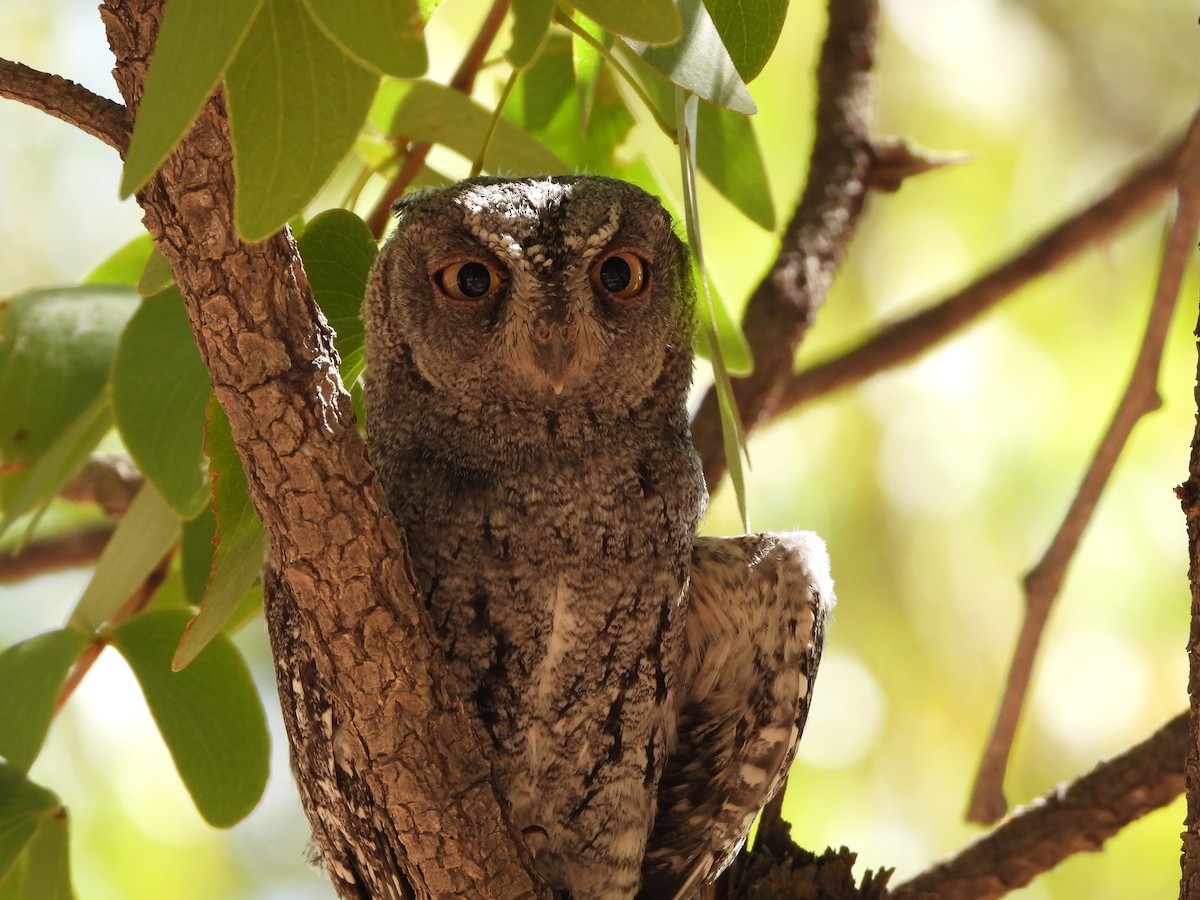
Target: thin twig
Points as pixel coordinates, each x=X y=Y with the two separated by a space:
x=785 y=303
x=66 y=100
x=53 y=554
x=907 y=338
x=463 y=81
x=1079 y=816
x=1043 y=582
x=138 y=601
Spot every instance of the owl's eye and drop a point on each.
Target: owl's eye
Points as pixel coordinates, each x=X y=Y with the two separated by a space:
x=469 y=280
x=621 y=274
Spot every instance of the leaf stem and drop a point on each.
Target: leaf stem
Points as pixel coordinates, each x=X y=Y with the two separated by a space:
x=477 y=165
x=613 y=60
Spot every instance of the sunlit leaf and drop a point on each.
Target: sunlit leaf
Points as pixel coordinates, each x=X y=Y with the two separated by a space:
x=731 y=428
x=44 y=871
x=699 y=62
x=749 y=30
x=296 y=104
x=156 y=276
x=125 y=266
x=435 y=114
x=648 y=21
x=33 y=488
x=241 y=543
x=727 y=150
x=193 y=49
x=209 y=715
x=729 y=157
x=56 y=348
x=140 y=541
x=385 y=36
x=531 y=24
x=159 y=390
x=23 y=805
x=545 y=104
x=587 y=60
x=338 y=248
x=31 y=674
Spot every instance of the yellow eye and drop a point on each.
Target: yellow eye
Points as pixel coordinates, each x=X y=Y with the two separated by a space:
x=621 y=274
x=468 y=281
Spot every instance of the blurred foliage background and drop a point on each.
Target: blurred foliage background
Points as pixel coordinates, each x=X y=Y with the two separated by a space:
x=936 y=485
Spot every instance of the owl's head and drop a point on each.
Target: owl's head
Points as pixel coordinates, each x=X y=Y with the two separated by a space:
x=560 y=293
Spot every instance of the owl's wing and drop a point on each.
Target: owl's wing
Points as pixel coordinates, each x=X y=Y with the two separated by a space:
x=755 y=627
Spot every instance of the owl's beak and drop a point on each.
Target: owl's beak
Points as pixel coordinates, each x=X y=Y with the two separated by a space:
x=552 y=353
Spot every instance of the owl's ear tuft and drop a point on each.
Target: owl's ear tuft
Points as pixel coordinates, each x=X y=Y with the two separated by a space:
x=400 y=206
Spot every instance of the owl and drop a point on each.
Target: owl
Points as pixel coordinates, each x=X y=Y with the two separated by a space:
x=640 y=691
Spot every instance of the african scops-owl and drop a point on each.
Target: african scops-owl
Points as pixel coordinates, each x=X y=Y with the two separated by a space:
x=640 y=690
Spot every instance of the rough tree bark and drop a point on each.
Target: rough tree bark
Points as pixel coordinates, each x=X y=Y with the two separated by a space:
x=419 y=815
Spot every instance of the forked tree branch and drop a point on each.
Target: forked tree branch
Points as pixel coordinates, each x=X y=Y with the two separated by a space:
x=1140 y=397
x=909 y=337
x=785 y=303
x=1072 y=818
x=397 y=788
x=66 y=100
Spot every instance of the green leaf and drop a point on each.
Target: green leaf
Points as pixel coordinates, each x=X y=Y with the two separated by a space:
x=731 y=424
x=56 y=348
x=386 y=37
x=23 y=805
x=587 y=62
x=545 y=104
x=140 y=541
x=749 y=29
x=296 y=104
x=727 y=150
x=699 y=62
x=728 y=156
x=194 y=46
x=44 y=872
x=338 y=249
x=125 y=266
x=209 y=715
x=157 y=276
x=160 y=387
x=31 y=674
x=35 y=486
x=531 y=25
x=241 y=543
x=196 y=554
x=648 y=21
x=433 y=113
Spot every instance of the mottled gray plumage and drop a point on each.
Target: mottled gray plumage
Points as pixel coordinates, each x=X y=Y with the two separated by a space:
x=529 y=349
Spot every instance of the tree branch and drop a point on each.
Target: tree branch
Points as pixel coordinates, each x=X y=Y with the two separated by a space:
x=53 y=554
x=397 y=789
x=66 y=100
x=1189 y=496
x=1044 y=581
x=1072 y=818
x=462 y=81
x=909 y=337
x=785 y=303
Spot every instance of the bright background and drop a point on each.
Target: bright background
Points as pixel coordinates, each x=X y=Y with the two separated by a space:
x=936 y=485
